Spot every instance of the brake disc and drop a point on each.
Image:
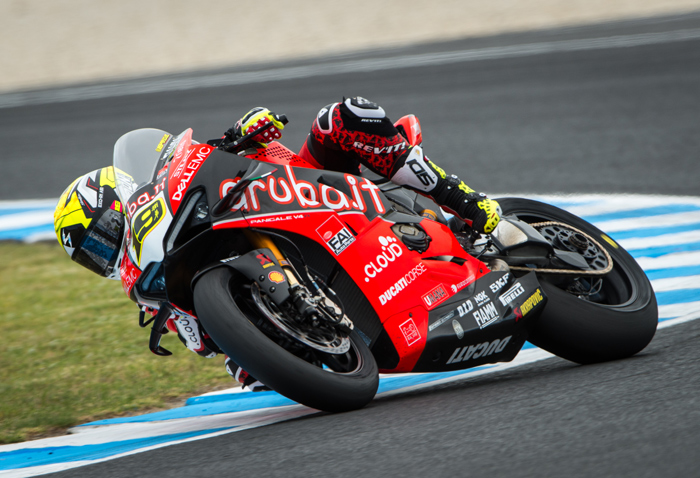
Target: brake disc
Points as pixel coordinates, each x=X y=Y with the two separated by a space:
x=304 y=333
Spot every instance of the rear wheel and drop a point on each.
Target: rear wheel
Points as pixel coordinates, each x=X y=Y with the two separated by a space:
x=589 y=318
x=313 y=368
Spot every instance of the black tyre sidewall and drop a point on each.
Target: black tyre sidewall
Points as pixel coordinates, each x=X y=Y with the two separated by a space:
x=583 y=331
x=271 y=364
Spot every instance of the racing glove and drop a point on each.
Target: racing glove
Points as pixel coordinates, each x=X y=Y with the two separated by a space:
x=257 y=118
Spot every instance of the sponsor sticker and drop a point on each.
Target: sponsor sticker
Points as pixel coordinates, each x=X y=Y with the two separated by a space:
x=441 y=321
x=531 y=302
x=486 y=315
x=146 y=221
x=390 y=251
x=435 y=296
x=162 y=142
x=189 y=329
x=276 y=277
x=610 y=241
x=511 y=294
x=402 y=283
x=192 y=162
x=465 y=308
x=458 y=329
x=457 y=287
x=484 y=349
x=335 y=235
x=129 y=274
x=481 y=298
x=499 y=284
x=410 y=332
x=287 y=190
x=265 y=261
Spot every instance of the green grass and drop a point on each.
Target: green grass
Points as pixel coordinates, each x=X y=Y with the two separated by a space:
x=71 y=349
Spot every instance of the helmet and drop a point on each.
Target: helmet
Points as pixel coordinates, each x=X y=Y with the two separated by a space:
x=89 y=222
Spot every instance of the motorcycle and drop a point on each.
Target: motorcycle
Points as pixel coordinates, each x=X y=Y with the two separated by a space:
x=315 y=281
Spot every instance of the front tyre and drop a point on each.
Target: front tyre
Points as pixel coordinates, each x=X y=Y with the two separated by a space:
x=347 y=382
x=617 y=322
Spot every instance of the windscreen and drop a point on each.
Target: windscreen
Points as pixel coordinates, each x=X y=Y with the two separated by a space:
x=136 y=155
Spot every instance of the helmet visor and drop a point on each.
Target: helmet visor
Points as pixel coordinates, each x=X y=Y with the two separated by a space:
x=101 y=244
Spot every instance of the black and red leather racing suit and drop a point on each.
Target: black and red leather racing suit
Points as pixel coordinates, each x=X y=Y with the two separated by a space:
x=355 y=131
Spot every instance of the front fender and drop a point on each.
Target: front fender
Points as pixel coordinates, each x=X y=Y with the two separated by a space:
x=258 y=265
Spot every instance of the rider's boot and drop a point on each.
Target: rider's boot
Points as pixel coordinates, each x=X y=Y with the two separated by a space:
x=418 y=172
x=243 y=377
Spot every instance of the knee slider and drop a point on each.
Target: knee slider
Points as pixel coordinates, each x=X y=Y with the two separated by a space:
x=364 y=109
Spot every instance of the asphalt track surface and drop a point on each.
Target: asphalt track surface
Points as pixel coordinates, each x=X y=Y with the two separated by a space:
x=618 y=119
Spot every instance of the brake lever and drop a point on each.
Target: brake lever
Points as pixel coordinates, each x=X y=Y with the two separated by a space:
x=161 y=318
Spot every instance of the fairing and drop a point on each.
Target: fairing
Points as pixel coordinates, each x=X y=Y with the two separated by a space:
x=347 y=225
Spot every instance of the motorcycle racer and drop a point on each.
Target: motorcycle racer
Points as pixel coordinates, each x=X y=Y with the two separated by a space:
x=357 y=131
x=89 y=218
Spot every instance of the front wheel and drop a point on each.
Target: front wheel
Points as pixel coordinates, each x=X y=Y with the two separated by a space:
x=329 y=382
x=614 y=319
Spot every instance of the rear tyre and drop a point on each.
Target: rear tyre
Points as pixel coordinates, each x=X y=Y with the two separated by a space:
x=617 y=322
x=347 y=382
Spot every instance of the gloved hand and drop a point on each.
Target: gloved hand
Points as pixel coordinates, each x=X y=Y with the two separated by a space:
x=256 y=118
x=484 y=213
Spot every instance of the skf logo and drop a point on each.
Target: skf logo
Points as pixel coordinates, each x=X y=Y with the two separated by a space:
x=499 y=284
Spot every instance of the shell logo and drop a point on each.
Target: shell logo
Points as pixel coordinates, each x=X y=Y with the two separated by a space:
x=276 y=277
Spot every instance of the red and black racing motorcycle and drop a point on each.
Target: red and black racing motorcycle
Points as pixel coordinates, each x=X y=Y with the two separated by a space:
x=315 y=281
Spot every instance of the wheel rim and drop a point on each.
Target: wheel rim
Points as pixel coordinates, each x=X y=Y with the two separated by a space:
x=618 y=288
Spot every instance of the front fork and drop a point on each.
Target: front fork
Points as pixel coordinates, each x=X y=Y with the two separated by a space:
x=263 y=241
x=301 y=296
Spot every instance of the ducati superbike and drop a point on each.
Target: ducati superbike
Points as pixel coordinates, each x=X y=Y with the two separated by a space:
x=314 y=281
